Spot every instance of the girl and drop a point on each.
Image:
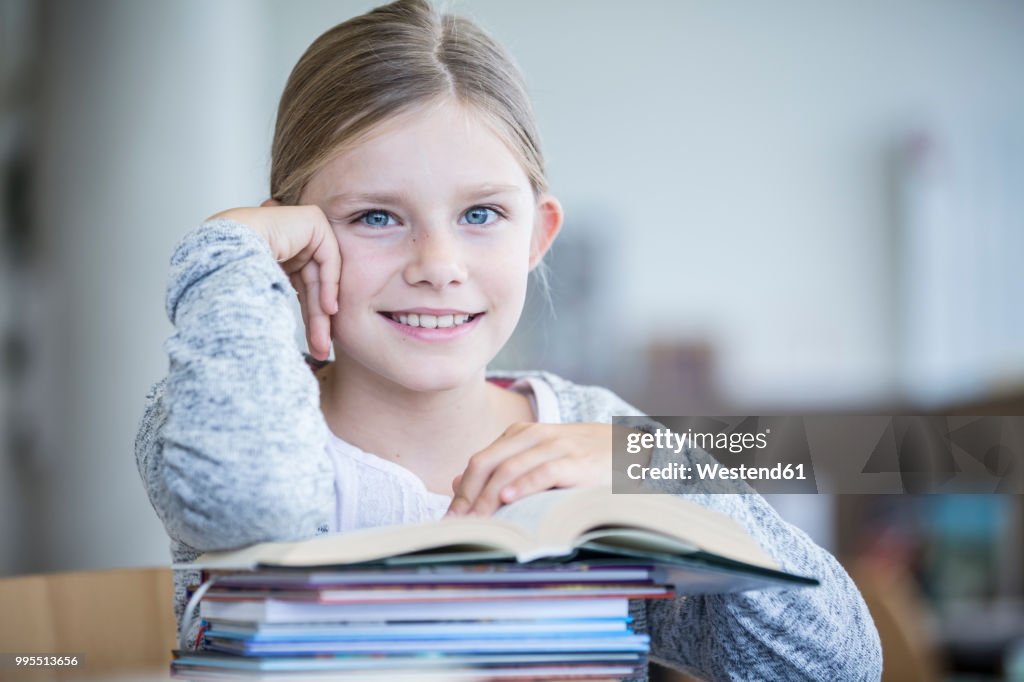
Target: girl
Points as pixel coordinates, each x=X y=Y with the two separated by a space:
x=409 y=205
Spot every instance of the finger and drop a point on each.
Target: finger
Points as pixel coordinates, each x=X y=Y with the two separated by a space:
x=516 y=438
x=499 y=488
x=455 y=489
x=558 y=472
x=318 y=322
x=320 y=330
x=329 y=258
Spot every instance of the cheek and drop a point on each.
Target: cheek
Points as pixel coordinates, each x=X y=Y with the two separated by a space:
x=363 y=273
x=506 y=278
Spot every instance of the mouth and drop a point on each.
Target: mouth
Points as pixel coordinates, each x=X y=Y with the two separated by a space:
x=429 y=321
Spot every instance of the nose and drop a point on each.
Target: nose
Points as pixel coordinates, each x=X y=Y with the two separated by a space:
x=436 y=260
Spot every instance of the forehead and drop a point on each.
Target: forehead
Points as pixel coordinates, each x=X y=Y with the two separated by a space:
x=443 y=144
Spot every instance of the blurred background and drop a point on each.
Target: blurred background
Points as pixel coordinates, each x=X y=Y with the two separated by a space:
x=794 y=207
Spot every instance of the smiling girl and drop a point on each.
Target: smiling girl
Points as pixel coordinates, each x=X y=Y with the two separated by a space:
x=408 y=207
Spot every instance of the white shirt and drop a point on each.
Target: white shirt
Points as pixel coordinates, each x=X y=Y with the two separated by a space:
x=371 y=491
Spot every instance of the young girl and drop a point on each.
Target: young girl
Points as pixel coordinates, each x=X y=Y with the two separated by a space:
x=409 y=205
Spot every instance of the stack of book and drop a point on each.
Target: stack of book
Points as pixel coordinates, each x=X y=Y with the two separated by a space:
x=494 y=619
x=539 y=591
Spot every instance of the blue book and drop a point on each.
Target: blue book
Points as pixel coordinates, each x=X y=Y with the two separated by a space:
x=624 y=642
x=265 y=632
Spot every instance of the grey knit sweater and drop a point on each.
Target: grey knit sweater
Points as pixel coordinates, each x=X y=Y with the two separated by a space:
x=231 y=450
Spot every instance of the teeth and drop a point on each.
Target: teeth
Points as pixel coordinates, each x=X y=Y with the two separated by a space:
x=431 y=321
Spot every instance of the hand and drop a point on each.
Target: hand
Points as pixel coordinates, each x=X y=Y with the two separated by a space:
x=302 y=241
x=529 y=458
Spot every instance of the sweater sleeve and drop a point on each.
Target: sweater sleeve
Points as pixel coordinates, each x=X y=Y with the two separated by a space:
x=818 y=633
x=231 y=447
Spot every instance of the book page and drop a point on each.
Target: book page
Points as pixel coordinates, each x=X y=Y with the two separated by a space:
x=533 y=511
x=558 y=519
x=462 y=535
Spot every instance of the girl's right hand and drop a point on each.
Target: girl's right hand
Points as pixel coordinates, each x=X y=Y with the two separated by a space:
x=302 y=241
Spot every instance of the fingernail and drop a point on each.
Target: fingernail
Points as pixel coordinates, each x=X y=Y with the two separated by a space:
x=508 y=494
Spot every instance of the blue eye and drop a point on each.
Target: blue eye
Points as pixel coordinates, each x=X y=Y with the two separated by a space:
x=377 y=218
x=479 y=215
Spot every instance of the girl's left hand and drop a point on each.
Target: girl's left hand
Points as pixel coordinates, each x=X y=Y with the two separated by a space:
x=531 y=457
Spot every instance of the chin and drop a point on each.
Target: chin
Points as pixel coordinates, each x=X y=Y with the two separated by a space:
x=436 y=378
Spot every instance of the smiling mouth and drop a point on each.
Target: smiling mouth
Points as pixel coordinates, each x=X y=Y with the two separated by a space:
x=431 y=321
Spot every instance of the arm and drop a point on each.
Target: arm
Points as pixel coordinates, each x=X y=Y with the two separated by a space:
x=807 y=634
x=822 y=633
x=232 y=442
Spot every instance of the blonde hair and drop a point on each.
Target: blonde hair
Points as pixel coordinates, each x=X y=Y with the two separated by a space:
x=388 y=61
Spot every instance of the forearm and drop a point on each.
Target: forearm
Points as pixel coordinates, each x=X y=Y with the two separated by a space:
x=232 y=446
x=816 y=633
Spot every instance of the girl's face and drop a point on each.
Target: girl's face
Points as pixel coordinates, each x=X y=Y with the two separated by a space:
x=438 y=229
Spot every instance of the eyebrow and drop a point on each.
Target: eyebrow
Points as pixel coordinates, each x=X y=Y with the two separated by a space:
x=466 y=193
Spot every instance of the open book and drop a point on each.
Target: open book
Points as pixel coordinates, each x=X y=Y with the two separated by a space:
x=697 y=550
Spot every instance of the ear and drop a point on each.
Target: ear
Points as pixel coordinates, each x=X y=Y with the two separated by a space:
x=547 y=223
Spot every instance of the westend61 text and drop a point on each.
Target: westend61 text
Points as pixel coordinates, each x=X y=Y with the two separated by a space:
x=715 y=471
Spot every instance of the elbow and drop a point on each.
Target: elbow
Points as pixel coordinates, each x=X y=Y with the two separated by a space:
x=855 y=657
x=865 y=651
x=854 y=651
x=240 y=513
x=862 y=663
x=225 y=478
x=209 y=504
x=823 y=633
